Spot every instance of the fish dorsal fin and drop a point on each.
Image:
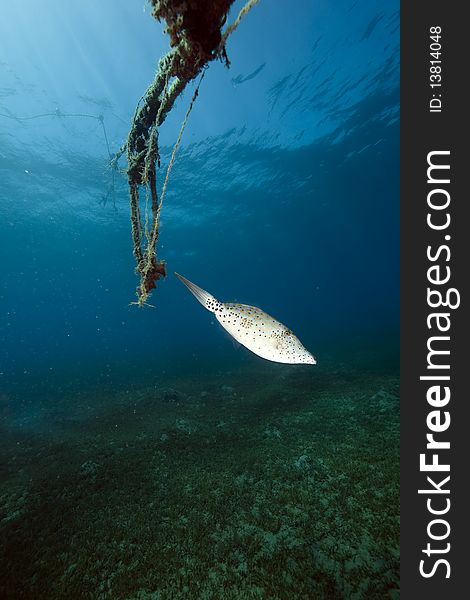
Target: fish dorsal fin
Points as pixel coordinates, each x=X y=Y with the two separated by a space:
x=206 y=299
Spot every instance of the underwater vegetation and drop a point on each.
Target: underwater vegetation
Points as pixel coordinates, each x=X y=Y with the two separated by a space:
x=242 y=486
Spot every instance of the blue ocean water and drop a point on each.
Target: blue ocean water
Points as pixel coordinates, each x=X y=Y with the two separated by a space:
x=284 y=195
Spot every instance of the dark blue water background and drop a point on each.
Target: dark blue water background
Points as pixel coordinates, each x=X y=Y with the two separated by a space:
x=284 y=194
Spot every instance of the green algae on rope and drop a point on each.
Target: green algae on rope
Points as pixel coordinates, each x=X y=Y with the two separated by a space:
x=196 y=39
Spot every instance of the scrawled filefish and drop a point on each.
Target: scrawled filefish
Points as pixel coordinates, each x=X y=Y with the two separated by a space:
x=255 y=329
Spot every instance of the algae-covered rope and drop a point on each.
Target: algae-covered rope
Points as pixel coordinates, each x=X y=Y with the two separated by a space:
x=149 y=259
x=231 y=28
x=196 y=39
x=178 y=142
x=147 y=266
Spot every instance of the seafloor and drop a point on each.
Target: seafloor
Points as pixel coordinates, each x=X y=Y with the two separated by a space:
x=244 y=485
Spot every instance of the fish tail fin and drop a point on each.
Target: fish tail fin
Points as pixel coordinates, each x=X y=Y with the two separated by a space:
x=206 y=299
